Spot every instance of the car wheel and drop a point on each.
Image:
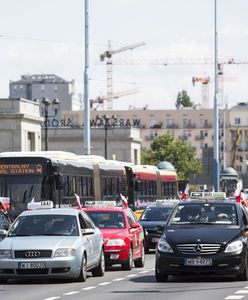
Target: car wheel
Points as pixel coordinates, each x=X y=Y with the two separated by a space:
x=244 y=275
x=82 y=275
x=160 y=277
x=140 y=262
x=100 y=269
x=127 y=265
x=147 y=250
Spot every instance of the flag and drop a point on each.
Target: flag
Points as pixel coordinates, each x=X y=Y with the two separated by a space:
x=237 y=192
x=124 y=201
x=185 y=193
x=78 y=201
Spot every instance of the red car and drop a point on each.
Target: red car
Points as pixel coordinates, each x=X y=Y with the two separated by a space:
x=123 y=235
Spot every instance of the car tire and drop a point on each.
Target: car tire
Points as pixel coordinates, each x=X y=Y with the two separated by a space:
x=140 y=262
x=128 y=264
x=147 y=251
x=244 y=275
x=82 y=276
x=100 y=269
x=160 y=277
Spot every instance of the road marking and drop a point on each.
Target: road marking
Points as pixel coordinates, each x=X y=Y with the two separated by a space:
x=88 y=288
x=241 y=292
x=71 y=293
x=143 y=272
x=233 y=297
x=131 y=275
x=119 y=279
x=104 y=283
x=52 y=298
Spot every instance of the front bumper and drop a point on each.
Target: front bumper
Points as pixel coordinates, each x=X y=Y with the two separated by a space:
x=116 y=255
x=222 y=264
x=59 y=267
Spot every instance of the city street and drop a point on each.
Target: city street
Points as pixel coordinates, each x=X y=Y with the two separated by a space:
x=136 y=284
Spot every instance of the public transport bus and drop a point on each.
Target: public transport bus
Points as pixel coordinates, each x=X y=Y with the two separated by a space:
x=58 y=175
x=147 y=183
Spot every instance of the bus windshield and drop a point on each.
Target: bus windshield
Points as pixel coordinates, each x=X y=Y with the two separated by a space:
x=20 y=190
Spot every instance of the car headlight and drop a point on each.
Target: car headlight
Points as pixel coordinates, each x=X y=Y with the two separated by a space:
x=235 y=247
x=117 y=242
x=63 y=252
x=5 y=254
x=163 y=246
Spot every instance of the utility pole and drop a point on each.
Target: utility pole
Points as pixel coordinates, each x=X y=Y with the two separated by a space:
x=86 y=68
x=216 y=177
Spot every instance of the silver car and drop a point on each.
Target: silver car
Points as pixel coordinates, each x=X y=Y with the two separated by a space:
x=56 y=243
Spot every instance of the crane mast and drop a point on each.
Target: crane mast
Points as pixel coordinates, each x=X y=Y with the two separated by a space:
x=108 y=56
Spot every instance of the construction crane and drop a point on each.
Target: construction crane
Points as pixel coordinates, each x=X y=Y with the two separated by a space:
x=205 y=89
x=108 y=56
x=100 y=100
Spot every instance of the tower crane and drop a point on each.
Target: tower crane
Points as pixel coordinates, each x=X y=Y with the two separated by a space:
x=108 y=56
x=205 y=89
x=100 y=100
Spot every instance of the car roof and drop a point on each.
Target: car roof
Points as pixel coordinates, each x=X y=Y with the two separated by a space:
x=202 y=201
x=107 y=209
x=52 y=211
x=160 y=205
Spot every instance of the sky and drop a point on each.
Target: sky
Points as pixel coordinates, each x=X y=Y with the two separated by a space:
x=47 y=37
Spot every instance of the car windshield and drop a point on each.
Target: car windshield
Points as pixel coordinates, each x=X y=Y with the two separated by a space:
x=35 y=225
x=106 y=219
x=204 y=213
x=158 y=213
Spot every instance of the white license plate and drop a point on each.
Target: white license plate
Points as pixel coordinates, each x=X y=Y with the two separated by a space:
x=198 y=261
x=155 y=240
x=32 y=265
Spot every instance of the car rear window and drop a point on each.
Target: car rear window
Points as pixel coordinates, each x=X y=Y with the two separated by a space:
x=105 y=219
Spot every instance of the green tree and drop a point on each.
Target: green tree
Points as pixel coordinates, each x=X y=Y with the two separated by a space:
x=183 y=100
x=177 y=152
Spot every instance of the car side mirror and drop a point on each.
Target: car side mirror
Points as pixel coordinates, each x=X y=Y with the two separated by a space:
x=135 y=225
x=87 y=231
x=3 y=233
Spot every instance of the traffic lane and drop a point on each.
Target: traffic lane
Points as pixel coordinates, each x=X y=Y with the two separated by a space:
x=48 y=288
x=117 y=284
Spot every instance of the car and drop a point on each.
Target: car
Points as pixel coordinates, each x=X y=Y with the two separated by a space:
x=123 y=235
x=5 y=222
x=138 y=211
x=207 y=237
x=153 y=220
x=52 y=243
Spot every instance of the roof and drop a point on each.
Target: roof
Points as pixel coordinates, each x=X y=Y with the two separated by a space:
x=53 y=211
x=107 y=209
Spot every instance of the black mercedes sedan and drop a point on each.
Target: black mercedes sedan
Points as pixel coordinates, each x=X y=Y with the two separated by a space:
x=204 y=237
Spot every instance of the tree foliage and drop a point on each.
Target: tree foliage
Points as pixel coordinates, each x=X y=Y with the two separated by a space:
x=177 y=152
x=183 y=100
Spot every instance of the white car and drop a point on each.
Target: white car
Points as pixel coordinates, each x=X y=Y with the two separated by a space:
x=56 y=243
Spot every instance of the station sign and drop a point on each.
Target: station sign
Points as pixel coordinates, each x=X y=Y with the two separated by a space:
x=20 y=169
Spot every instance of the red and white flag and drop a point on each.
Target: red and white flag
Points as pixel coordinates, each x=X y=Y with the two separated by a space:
x=237 y=192
x=185 y=193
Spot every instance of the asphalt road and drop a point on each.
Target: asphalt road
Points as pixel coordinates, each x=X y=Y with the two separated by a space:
x=136 y=284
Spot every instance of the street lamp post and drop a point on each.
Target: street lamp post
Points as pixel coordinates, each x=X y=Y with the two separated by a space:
x=55 y=105
x=106 y=125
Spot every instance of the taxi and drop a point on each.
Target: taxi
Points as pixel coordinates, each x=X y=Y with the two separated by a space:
x=206 y=235
x=46 y=242
x=123 y=235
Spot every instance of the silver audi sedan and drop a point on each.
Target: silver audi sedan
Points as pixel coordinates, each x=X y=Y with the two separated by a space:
x=55 y=243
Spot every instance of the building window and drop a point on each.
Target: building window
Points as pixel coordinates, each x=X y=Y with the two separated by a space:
x=31 y=141
x=237 y=121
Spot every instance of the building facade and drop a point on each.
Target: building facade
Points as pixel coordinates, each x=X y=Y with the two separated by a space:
x=20 y=128
x=38 y=86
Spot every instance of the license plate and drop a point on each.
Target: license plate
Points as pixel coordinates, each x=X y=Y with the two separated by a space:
x=198 y=262
x=32 y=265
x=154 y=240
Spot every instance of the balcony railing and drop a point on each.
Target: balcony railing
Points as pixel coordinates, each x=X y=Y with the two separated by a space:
x=199 y=137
